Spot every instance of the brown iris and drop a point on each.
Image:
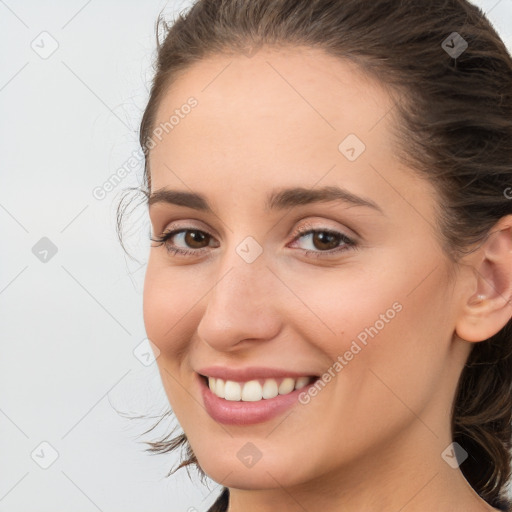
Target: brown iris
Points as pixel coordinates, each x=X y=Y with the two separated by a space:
x=193 y=237
x=324 y=237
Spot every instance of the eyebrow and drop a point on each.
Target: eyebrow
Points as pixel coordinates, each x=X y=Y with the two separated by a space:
x=277 y=200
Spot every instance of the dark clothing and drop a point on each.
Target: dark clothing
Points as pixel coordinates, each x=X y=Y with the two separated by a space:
x=221 y=504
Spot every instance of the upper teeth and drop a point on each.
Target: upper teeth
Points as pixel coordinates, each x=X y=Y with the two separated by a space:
x=253 y=390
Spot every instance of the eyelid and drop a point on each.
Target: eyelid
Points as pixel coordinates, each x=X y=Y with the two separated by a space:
x=189 y=224
x=322 y=226
x=298 y=230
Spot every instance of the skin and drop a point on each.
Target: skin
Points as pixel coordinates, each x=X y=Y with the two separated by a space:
x=372 y=439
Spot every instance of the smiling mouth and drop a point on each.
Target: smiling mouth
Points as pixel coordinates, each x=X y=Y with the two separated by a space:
x=257 y=389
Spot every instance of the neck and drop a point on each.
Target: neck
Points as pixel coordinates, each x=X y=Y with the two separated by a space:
x=394 y=478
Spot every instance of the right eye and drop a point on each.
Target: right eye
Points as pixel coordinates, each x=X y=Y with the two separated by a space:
x=189 y=238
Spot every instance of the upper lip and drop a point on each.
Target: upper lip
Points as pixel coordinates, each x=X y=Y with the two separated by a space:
x=249 y=373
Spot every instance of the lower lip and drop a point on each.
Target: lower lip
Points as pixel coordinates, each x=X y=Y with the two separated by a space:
x=230 y=412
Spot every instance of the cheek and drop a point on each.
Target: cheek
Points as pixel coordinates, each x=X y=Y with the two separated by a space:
x=374 y=304
x=386 y=359
x=402 y=342
x=385 y=332
x=340 y=308
x=169 y=322
x=167 y=301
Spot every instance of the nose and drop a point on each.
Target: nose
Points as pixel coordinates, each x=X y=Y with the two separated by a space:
x=244 y=304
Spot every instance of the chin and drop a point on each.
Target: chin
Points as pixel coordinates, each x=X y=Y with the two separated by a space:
x=247 y=480
x=262 y=475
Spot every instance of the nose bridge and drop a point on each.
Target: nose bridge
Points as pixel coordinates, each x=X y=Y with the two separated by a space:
x=242 y=303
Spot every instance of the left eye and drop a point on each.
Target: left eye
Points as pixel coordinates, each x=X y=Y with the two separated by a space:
x=325 y=241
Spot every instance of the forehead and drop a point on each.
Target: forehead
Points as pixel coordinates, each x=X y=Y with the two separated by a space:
x=279 y=117
x=301 y=89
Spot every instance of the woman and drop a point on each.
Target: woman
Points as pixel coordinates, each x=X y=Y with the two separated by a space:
x=329 y=288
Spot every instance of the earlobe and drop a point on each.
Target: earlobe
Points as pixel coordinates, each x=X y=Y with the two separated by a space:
x=488 y=308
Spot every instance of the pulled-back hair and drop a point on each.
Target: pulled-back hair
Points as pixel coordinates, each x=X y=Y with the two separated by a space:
x=454 y=115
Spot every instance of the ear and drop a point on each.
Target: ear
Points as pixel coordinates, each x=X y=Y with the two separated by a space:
x=487 y=306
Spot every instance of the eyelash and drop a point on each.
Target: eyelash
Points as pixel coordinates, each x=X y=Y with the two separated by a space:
x=304 y=231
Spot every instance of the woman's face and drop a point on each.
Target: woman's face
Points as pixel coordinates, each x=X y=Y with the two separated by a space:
x=368 y=306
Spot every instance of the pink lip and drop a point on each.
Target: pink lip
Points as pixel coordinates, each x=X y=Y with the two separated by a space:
x=246 y=413
x=249 y=373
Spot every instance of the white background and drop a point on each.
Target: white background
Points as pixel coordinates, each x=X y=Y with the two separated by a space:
x=69 y=325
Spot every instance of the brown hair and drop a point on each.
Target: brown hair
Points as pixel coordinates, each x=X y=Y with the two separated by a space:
x=455 y=130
